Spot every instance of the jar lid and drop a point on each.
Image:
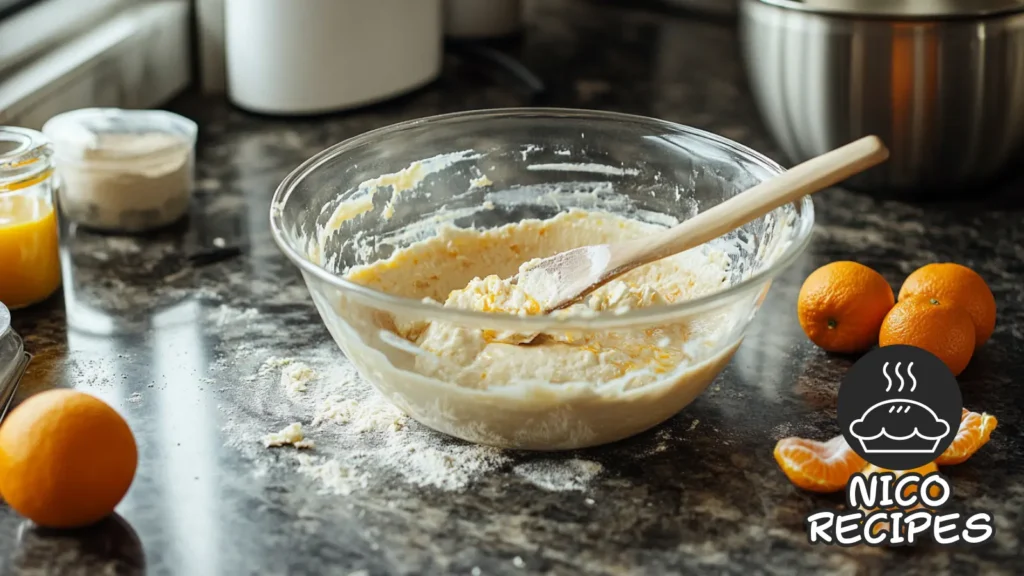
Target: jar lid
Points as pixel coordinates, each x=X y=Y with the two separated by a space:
x=903 y=8
x=84 y=134
x=24 y=158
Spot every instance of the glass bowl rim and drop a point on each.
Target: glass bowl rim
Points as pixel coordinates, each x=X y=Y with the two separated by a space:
x=602 y=320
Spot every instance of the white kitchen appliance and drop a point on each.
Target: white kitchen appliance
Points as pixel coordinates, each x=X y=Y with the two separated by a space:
x=293 y=57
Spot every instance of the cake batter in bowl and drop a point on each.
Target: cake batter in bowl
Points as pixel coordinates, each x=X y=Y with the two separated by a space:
x=406 y=237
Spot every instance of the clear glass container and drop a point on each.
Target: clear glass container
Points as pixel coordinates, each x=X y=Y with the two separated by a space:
x=13 y=360
x=123 y=170
x=390 y=188
x=29 y=253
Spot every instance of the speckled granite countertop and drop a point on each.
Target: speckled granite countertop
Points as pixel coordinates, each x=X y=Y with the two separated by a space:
x=179 y=350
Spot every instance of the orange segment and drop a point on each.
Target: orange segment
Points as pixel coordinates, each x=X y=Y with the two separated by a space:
x=975 y=430
x=817 y=466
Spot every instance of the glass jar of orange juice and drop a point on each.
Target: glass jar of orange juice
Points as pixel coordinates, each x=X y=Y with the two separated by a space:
x=29 y=253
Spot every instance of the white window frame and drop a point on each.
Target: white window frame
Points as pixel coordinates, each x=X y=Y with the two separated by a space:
x=42 y=25
x=60 y=55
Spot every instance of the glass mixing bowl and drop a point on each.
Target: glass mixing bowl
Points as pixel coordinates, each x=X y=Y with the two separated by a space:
x=360 y=201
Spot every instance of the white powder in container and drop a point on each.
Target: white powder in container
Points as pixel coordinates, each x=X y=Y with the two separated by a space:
x=123 y=170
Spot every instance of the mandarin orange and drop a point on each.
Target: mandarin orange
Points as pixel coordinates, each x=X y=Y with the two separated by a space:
x=938 y=327
x=841 y=306
x=957 y=285
x=66 y=459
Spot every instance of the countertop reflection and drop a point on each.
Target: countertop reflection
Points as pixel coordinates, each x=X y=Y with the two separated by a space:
x=181 y=347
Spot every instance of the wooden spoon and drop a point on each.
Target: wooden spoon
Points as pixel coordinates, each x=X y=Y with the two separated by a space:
x=565 y=278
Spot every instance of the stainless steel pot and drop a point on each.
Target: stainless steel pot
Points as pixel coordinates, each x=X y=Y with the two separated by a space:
x=940 y=81
x=715 y=7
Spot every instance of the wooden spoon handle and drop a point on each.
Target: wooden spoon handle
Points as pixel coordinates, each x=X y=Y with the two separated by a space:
x=803 y=179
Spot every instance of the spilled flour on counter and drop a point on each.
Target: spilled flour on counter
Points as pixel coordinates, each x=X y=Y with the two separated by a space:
x=273 y=362
x=224 y=315
x=289 y=435
x=559 y=475
x=335 y=478
x=364 y=416
x=295 y=376
x=330 y=426
x=355 y=437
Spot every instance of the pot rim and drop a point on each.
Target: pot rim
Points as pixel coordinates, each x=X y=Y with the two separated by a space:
x=902 y=9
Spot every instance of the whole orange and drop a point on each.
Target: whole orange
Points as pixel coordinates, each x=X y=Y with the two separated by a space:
x=957 y=285
x=841 y=306
x=66 y=459
x=938 y=327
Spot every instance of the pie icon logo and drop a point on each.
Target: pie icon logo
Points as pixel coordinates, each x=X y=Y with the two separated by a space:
x=899 y=426
x=899 y=407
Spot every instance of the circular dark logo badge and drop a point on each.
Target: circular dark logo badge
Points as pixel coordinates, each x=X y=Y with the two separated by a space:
x=899 y=407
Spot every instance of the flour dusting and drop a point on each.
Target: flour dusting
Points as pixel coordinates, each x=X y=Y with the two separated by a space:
x=332 y=475
x=360 y=438
x=559 y=475
x=367 y=415
x=274 y=362
x=225 y=314
x=291 y=434
x=295 y=376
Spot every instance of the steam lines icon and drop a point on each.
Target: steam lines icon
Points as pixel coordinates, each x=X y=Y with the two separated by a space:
x=899 y=425
x=913 y=380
